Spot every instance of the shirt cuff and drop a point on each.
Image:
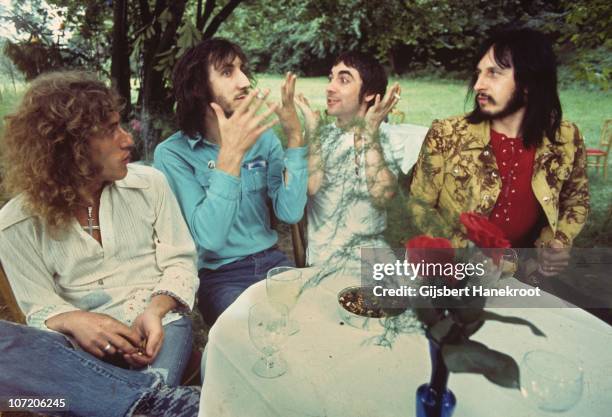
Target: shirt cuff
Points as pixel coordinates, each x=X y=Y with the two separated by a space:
x=179 y=284
x=295 y=158
x=224 y=185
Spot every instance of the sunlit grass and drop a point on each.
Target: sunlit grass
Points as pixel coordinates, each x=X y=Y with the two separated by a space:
x=424 y=100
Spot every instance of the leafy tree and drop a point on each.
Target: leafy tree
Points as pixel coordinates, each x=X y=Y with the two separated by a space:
x=124 y=40
x=589 y=35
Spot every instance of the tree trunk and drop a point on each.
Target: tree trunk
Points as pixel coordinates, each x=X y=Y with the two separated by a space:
x=120 y=59
x=156 y=102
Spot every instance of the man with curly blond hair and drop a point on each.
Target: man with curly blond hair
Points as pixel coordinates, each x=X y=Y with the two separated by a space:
x=98 y=257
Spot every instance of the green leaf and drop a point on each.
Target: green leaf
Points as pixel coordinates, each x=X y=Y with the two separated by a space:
x=489 y=315
x=476 y=358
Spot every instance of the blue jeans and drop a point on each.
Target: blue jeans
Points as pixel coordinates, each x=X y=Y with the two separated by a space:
x=174 y=354
x=41 y=364
x=220 y=287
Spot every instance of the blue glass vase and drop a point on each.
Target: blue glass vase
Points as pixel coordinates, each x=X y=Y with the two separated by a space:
x=434 y=399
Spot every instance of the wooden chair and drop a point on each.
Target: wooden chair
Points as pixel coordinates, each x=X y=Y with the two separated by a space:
x=9 y=298
x=300 y=243
x=598 y=157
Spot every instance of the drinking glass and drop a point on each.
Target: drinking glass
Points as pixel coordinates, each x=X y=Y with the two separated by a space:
x=283 y=286
x=268 y=331
x=550 y=381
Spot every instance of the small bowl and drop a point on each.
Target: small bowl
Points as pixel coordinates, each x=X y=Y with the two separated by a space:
x=354 y=319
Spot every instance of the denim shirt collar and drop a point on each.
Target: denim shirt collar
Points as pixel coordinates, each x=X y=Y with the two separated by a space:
x=193 y=141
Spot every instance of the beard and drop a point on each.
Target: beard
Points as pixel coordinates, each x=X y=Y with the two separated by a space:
x=225 y=105
x=516 y=102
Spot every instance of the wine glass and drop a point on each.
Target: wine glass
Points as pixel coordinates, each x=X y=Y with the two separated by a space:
x=550 y=381
x=268 y=331
x=283 y=286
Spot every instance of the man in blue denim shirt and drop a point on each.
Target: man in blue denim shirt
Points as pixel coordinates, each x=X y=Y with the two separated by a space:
x=225 y=163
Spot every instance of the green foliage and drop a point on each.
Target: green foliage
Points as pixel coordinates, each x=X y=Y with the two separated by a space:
x=589 y=36
x=79 y=41
x=307 y=35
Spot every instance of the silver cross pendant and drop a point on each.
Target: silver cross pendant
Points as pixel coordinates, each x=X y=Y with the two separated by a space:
x=90 y=222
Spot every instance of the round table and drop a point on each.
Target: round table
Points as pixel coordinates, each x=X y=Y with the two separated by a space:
x=336 y=371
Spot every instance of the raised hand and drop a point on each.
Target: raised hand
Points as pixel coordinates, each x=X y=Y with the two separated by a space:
x=381 y=108
x=311 y=117
x=98 y=334
x=287 y=113
x=240 y=131
x=553 y=258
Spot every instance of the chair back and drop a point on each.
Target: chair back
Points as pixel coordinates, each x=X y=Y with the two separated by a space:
x=298 y=238
x=606 y=136
x=9 y=298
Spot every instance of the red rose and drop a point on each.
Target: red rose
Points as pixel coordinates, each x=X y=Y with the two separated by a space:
x=484 y=234
x=430 y=250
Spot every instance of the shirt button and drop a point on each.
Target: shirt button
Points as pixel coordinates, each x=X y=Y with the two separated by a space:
x=486 y=153
x=546 y=199
x=494 y=174
x=100 y=282
x=507 y=219
x=456 y=170
x=485 y=197
x=516 y=164
x=514 y=191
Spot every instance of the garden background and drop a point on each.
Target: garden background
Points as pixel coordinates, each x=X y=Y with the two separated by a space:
x=426 y=45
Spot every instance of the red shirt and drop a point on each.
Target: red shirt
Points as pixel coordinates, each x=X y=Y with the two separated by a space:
x=517 y=210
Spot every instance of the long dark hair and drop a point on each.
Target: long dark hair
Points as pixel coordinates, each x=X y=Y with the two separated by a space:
x=535 y=71
x=190 y=80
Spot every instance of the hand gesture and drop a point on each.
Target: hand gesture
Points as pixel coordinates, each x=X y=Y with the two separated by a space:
x=240 y=131
x=553 y=258
x=98 y=334
x=380 y=109
x=286 y=112
x=149 y=326
x=311 y=117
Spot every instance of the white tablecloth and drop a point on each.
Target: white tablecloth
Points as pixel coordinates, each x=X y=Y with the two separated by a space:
x=335 y=372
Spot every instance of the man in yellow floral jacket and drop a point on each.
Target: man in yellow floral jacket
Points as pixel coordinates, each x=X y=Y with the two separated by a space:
x=511 y=159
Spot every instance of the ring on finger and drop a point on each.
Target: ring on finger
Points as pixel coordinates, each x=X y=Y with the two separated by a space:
x=260 y=95
x=107 y=347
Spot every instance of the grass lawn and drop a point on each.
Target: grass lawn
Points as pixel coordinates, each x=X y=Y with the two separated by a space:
x=426 y=99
